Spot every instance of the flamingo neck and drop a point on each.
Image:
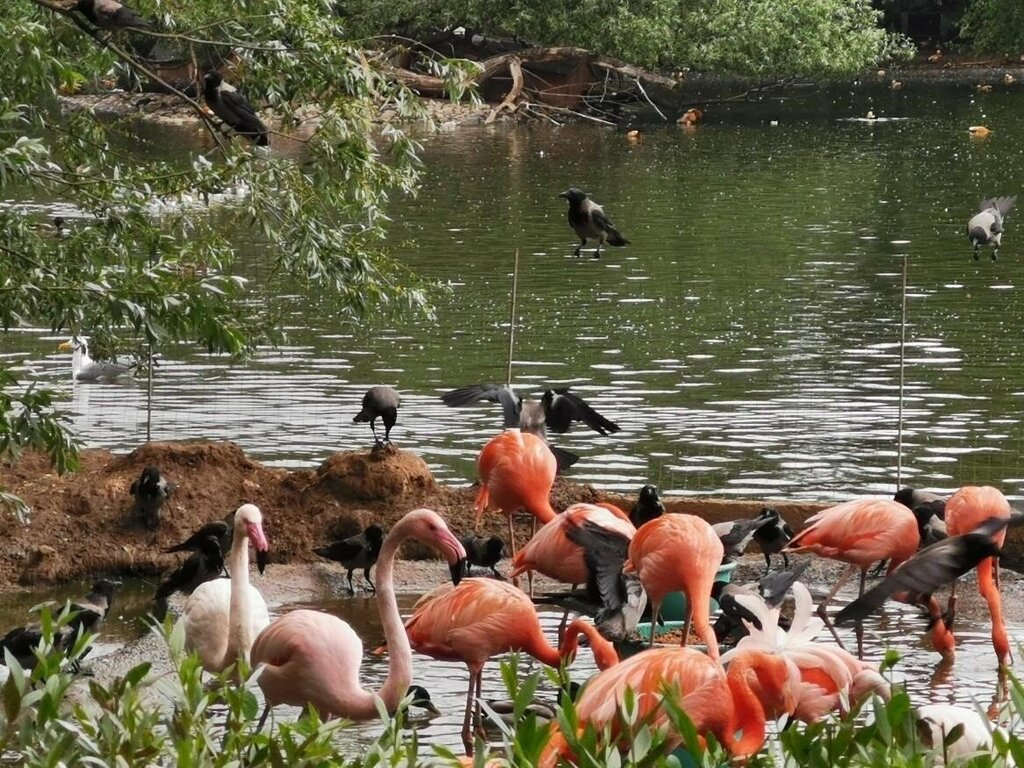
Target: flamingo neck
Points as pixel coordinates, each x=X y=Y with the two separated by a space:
x=240 y=634
x=541 y=509
x=361 y=705
x=748 y=711
x=605 y=655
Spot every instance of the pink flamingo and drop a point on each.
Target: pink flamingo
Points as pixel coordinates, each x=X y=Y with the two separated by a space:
x=966 y=510
x=222 y=617
x=859 y=532
x=517 y=470
x=679 y=552
x=733 y=705
x=481 y=618
x=313 y=658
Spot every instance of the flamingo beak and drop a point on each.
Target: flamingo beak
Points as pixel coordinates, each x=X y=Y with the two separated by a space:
x=262 y=560
x=458 y=570
x=259 y=541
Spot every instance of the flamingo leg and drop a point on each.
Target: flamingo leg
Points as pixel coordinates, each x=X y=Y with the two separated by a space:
x=823 y=605
x=565 y=616
x=858 y=627
x=478 y=724
x=467 y=738
x=512 y=539
x=263 y=718
x=686 y=626
x=988 y=578
x=950 y=616
x=529 y=574
x=655 y=609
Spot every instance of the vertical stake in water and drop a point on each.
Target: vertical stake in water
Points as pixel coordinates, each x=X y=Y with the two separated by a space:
x=512 y=319
x=149 y=368
x=903 y=357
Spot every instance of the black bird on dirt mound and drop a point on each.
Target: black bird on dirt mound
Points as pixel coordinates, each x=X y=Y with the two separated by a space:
x=380 y=402
x=557 y=410
x=648 y=507
x=359 y=551
x=110 y=14
x=88 y=614
x=231 y=107
x=151 y=490
x=204 y=564
x=484 y=552
x=589 y=220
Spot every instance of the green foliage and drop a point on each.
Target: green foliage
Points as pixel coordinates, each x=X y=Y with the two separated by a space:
x=994 y=26
x=152 y=259
x=52 y=716
x=764 y=39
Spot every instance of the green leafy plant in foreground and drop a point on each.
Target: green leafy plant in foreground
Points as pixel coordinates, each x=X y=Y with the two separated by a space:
x=52 y=716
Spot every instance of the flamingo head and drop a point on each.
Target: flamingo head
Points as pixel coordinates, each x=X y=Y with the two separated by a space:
x=428 y=527
x=773 y=678
x=249 y=518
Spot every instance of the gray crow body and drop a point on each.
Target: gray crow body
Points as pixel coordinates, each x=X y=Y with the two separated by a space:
x=151 y=490
x=204 y=564
x=773 y=536
x=231 y=107
x=484 y=552
x=589 y=221
x=379 y=402
x=986 y=226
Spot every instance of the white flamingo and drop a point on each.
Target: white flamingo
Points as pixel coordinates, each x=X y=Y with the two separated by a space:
x=313 y=658
x=223 y=617
x=937 y=722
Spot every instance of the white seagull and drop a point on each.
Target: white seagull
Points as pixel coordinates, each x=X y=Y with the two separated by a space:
x=84 y=368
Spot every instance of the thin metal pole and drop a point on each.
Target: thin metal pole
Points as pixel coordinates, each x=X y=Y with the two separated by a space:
x=512 y=318
x=903 y=356
x=149 y=369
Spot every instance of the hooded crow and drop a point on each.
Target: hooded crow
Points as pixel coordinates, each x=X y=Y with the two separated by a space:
x=589 y=220
x=359 y=551
x=986 y=226
x=483 y=552
x=110 y=14
x=204 y=564
x=737 y=534
x=150 y=491
x=556 y=410
x=773 y=536
x=231 y=107
x=648 y=507
x=382 y=402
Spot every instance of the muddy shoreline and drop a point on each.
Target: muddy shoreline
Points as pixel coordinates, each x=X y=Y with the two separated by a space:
x=82 y=525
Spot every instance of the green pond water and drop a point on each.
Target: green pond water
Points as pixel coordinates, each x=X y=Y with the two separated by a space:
x=747 y=341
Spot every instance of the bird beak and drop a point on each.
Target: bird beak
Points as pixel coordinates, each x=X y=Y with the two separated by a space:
x=262 y=560
x=458 y=570
x=433 y=710
x=564 y=195
x=64 y=346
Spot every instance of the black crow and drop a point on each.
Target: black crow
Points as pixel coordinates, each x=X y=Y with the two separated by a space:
x=588 y=220
x=986 y=226
x=88 y=614
x=484 y=552
x=556 y=410
x=204 y=564
x=931 y=568
x=930 y=510
x=382 y=402
x=110 y=14
x=359 y=551
x=648 y=507
x=150 y=491
x=231 y=107
x=773 y=536
x=222 y=530
x=737 y=534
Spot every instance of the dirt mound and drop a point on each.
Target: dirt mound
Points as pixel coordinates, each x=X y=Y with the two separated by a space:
x=82 y=525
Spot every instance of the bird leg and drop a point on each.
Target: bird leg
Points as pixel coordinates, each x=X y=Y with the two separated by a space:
x=655 y=609
x=529 y=574
x=785 y=560
x=597 y=251
x=950 y=616
x=351 y=588
x=366 y=575
x=478 y=723
x=377 y=443
x=583 y=241
x=565 y=618
x=467 y=741
x=686 y=625
x=823 y=605
x=768 y=561
x=263 y=718
x=512 y=538
x=995 y=254
x=858 y=626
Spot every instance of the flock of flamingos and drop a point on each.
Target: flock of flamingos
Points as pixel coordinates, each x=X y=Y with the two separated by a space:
x=311 y=658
